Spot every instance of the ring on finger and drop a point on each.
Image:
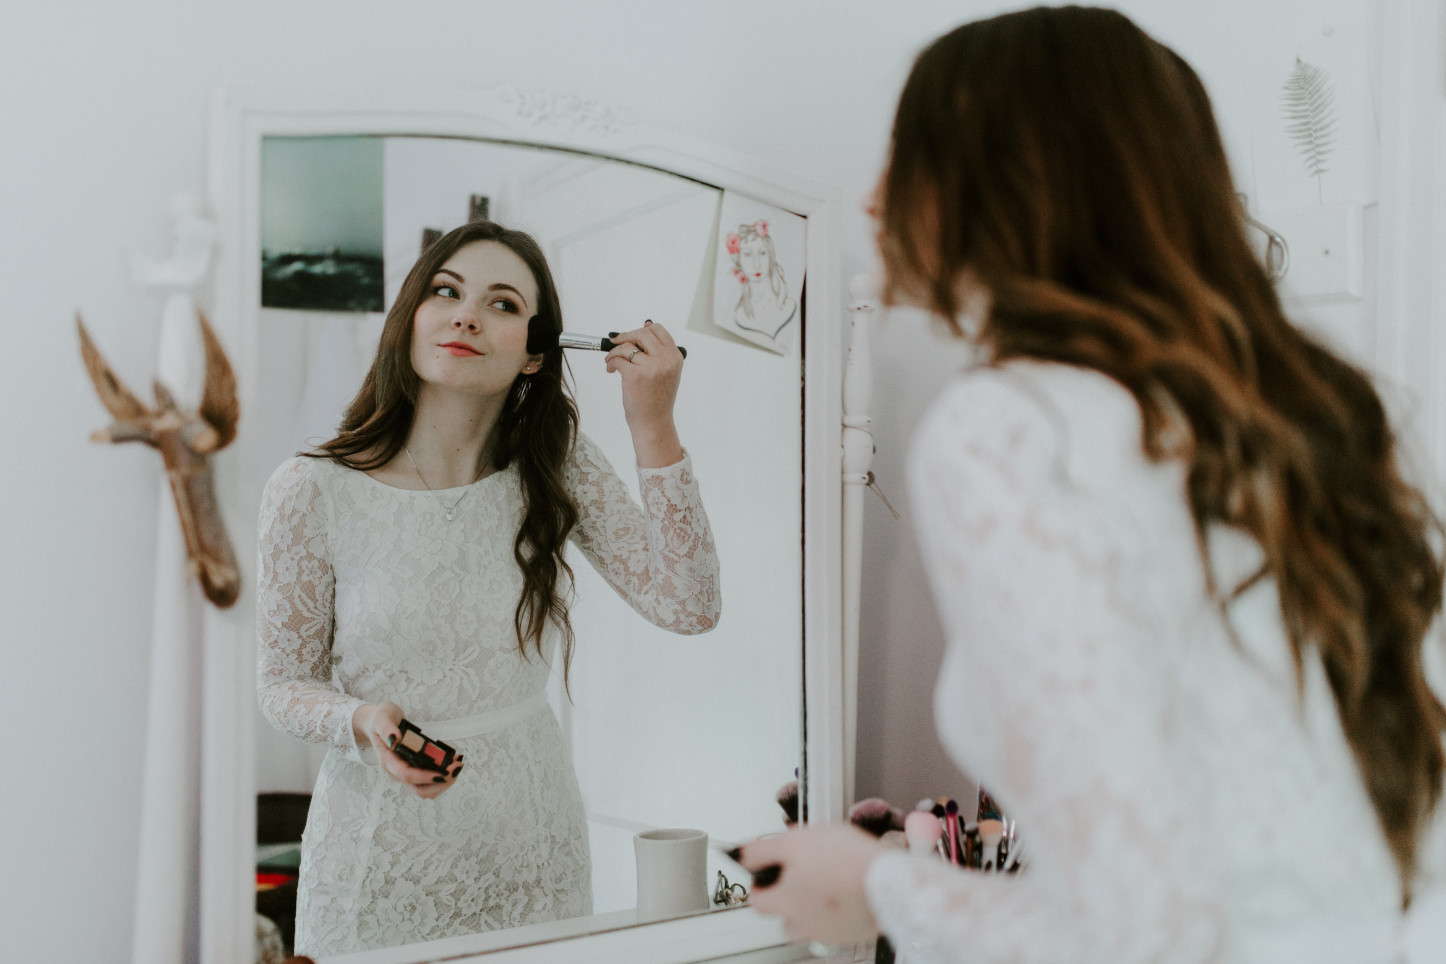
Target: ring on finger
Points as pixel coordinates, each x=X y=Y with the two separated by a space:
x=632 y=353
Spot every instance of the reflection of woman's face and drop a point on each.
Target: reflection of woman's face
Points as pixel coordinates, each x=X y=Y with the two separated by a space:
x=753 y=259
x=470 y=332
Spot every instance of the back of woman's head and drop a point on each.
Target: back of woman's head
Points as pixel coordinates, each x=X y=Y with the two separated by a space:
x=1069 y=167
x=1061 y=145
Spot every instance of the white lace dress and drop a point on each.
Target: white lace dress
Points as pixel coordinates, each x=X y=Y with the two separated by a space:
x=1175 y=798
x=366 y=593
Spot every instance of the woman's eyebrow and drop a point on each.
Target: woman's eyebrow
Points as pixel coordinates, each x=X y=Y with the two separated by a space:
x=500 y=286
x=496 y=286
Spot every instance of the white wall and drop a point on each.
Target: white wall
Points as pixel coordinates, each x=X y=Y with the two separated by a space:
x=104 y=116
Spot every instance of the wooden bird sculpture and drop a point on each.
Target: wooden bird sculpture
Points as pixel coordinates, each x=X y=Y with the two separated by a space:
x=184 y=439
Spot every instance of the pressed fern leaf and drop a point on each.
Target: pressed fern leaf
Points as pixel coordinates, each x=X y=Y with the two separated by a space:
x=1308 y=105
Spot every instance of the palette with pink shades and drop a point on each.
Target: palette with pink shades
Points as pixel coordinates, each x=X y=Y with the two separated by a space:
x=421 y=751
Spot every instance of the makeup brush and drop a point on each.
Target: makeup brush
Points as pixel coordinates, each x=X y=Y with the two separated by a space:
x=543 y=337
x=1011 y=863
x=951 y=814
x=788 y=799
x=990 y=833
x=875 y=816
x=922 y=831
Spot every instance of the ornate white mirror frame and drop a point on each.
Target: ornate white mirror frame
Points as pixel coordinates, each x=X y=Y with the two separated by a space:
x=241 y=119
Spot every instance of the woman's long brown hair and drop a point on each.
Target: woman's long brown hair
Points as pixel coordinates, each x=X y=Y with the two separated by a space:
x=537 y=429
x=1070 y=166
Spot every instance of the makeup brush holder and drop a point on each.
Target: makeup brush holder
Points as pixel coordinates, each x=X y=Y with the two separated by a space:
x=672 y=872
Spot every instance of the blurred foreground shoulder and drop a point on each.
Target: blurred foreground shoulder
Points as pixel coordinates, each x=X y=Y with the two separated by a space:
x=1032 y=415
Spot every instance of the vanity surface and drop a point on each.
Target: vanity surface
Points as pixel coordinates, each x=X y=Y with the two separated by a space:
x=694 y=937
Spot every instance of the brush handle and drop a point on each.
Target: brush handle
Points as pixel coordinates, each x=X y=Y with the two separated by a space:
x=991 y=832
x=612 y=334
x=568 y=339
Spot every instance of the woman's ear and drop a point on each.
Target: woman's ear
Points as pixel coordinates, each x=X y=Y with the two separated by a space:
x=534 y=364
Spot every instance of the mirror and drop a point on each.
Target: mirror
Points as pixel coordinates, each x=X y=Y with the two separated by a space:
x=664 y=730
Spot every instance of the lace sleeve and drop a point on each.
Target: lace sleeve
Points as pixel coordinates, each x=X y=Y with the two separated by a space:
x=660 y=558
x=1059 y=662
x=294 y=599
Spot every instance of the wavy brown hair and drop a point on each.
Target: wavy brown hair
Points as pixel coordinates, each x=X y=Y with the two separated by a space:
x=1069 y=166
x=536 y=429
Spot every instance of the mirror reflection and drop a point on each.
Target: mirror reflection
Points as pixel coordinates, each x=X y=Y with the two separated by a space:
x=375 y=605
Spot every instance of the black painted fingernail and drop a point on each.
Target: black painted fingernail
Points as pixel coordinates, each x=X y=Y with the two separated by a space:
x=612 y=334
x=647 y=323
x=767 y=876
x=439 y=779
x=391 y=741
x=735 y=855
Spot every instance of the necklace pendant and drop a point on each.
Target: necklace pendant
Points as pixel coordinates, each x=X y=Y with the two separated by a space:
x=449 y=517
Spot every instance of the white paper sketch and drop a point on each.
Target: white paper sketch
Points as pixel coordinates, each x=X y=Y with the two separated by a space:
x=760 y=273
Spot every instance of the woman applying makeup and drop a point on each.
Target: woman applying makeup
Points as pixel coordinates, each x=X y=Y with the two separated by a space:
x=1184 y=584
x=413 y=567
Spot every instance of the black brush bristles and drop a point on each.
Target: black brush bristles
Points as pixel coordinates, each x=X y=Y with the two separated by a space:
x=788 y=800
x=542 y=335
x=875 y=816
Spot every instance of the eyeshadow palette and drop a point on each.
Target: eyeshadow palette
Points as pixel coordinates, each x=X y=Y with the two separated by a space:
x=421 y=751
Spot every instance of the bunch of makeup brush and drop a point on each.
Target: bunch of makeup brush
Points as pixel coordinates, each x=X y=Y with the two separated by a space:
x=987 y=842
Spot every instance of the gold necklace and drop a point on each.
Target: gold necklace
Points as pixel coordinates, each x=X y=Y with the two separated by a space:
x=449 y=508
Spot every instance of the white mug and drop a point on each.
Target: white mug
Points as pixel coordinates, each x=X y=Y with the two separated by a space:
x=672 y=872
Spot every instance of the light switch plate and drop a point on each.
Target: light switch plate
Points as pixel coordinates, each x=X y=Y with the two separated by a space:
x=1327 y=256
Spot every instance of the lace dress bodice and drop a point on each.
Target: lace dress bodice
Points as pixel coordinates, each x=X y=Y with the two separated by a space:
x=367 y=593
x=1178 y=798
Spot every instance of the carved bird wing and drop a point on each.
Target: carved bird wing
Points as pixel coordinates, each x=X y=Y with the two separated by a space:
x=219 y=405
x=117 y=399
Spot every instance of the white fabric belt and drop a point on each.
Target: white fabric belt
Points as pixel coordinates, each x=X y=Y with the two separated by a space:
x=479 y=723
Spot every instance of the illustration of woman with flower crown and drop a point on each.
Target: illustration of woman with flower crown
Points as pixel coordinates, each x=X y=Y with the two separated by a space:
x=764 y=304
